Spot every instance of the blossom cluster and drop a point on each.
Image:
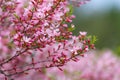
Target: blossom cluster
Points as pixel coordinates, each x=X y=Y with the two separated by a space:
x=95 y=66
x=35 y=34
x=98 y=65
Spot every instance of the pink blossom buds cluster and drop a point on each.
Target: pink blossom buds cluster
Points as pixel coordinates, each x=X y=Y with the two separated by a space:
x=95 y=66
x=100 y=66
x=34 y=34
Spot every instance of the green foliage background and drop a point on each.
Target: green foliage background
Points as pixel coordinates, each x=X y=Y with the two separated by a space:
x=105 y=25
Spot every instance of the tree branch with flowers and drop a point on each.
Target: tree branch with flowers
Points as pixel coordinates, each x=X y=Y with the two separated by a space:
x=34 y=34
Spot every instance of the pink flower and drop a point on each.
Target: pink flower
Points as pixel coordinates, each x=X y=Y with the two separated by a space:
x=83 y=33
x=34 y=35
x=26 y=39
x=92 y=67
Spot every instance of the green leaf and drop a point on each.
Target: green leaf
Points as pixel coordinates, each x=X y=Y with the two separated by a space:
x=16 y=15
x=71 y=28
x=94 y=39
x=71 y=10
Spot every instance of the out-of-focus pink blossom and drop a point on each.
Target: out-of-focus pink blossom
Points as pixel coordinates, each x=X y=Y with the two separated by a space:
x=95 y=66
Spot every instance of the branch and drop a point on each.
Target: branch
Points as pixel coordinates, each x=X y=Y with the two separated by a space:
x=13 y=57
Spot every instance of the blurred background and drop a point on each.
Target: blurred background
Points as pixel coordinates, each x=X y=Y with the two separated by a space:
x=102 y=19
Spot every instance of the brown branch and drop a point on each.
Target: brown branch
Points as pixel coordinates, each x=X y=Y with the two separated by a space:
x=13 y=57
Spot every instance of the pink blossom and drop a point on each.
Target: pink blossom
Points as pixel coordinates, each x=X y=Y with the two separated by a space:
x=103 y=66
x=26 y=39
x=34 y=35
x=83 y=33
